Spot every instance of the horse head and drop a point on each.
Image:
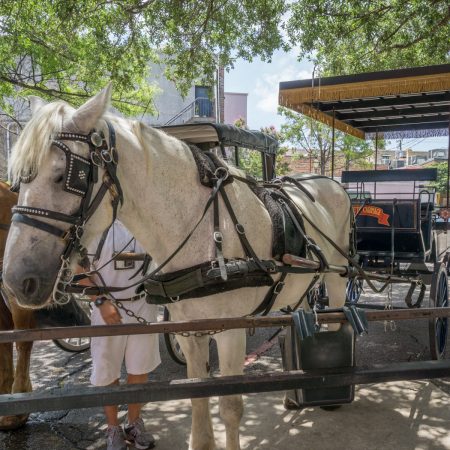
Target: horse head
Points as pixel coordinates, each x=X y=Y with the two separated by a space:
x=59 y=177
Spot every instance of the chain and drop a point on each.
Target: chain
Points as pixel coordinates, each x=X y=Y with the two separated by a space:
x=143 y=321
x=388 y=306
x=64 y=278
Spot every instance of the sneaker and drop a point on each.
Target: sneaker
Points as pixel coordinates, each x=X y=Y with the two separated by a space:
x=115 y=439
x=136 y=435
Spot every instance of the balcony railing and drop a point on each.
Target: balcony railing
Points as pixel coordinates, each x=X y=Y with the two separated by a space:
x=200 y=107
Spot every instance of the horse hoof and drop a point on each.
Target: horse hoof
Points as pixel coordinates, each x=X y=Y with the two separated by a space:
x=8 y=423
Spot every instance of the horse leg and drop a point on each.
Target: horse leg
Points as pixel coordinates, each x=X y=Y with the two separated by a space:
x=231 y=348
x=336 y=294
x=23 y=320
x=196 y=351
x=7 y=370
x=6 y=351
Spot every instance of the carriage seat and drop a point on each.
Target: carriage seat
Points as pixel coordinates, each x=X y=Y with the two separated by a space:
x=378 y=219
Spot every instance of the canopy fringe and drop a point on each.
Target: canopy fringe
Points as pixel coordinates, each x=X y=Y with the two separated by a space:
x=348 y=91
x=409 y=134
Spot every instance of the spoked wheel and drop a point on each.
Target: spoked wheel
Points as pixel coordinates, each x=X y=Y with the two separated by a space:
x=79 y=344
x=438 y=328
x=354 y=290
x=173 y=347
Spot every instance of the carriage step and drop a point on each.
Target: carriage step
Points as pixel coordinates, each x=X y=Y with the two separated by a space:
x=321 y=350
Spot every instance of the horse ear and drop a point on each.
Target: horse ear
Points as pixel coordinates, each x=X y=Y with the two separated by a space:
x=87 y=115
x=36 y=103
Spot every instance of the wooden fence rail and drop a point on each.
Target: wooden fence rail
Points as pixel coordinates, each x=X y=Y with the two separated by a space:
x=86 y=397
x=208 y=324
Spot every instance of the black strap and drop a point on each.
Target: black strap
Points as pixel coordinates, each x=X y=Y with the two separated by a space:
x=38 y=224
x=241 y=231
x=45 y=214
x=218 y=240
x=266 y=305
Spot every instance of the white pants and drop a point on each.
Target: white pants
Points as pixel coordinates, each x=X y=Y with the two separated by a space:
x=140 y=351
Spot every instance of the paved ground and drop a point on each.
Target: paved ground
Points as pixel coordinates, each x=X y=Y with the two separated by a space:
x=402 y=415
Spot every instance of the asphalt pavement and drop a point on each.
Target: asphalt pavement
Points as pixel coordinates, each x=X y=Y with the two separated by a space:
x=399 y=415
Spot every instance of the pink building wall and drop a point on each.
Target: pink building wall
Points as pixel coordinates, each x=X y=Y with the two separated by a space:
x=235 y=107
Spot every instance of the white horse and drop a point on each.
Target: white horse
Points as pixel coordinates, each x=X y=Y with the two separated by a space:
x=162 y=200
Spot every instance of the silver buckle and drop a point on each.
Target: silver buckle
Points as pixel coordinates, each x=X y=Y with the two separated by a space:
x=218 y=237
x=278 y=287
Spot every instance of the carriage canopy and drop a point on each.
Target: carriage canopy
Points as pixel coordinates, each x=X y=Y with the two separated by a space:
x=215 y=134
x=395 y=104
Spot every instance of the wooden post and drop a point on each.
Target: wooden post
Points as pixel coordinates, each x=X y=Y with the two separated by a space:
x=332 y=145
x=448 y=167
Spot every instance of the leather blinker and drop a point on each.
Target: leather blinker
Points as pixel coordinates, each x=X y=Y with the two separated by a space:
x=77 y=174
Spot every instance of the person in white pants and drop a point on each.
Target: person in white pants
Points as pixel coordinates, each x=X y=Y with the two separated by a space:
x=139 y=352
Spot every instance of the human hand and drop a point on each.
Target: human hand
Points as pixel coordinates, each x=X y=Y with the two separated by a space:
x=109 y=313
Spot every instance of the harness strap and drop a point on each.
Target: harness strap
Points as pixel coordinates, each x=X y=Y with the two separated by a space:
x=45 y=213
x=266 y=305
x=17 y=217
x=241 y=231
x=218 y=240
x=310 y=244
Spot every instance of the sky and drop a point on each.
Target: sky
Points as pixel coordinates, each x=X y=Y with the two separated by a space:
x=260 y=80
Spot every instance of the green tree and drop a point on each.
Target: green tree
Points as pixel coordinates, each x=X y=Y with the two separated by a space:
x=355 y=151
x=71 y=48
x=306 y=134
x=440 y=184
x=250 y=160
x=363 y=35
x=315 y=139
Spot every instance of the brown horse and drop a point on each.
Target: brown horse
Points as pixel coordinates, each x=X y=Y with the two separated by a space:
x=12 y=316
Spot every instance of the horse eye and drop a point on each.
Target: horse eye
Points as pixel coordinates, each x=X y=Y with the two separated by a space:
x=59 y=179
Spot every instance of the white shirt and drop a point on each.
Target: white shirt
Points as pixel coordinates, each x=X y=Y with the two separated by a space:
x=114 y=273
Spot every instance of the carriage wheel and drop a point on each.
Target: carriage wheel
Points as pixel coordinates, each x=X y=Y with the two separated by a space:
x=354 y=290
x=74 y=345
x=438 y=328
x=80 y=344
x=173 y=347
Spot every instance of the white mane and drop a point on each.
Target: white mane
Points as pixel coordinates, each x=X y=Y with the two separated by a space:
x=35 y=140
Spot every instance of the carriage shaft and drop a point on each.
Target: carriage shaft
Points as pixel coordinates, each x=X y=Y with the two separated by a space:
x=346 y=271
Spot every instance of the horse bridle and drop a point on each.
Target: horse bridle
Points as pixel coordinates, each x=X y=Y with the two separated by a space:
x=80 y=177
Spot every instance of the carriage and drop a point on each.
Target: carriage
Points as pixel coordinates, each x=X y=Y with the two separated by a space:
x=331 y=206
x=400 y=231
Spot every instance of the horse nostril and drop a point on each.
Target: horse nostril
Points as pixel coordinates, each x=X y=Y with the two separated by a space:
x=30 y=286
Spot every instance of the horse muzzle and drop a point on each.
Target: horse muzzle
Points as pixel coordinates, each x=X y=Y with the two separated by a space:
x=30 y=290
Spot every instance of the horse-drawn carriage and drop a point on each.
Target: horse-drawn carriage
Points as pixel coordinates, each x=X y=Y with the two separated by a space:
x=142 y=169
x=400 y=232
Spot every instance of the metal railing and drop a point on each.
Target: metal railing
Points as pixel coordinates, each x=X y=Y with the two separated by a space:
x=200 y=107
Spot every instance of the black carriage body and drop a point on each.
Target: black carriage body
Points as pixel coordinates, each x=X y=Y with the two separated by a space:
x=393 y=226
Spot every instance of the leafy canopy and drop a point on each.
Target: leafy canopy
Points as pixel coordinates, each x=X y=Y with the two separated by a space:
x=367 y=35
x=315 y=139
x=70 y=49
